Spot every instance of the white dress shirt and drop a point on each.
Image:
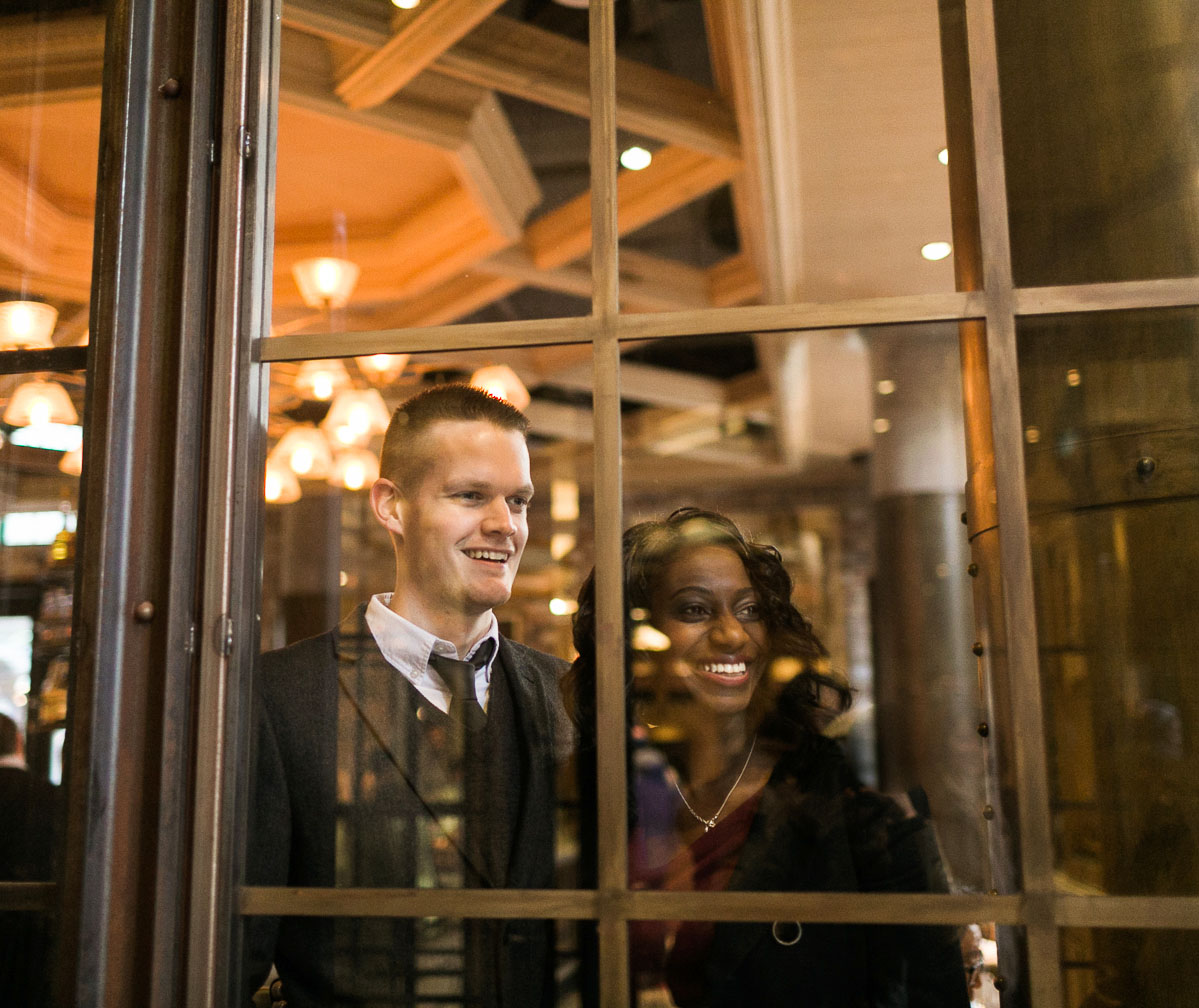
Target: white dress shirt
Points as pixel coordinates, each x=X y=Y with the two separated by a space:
x=407 y=648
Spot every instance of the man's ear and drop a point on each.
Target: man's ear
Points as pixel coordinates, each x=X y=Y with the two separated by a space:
x=386 y=504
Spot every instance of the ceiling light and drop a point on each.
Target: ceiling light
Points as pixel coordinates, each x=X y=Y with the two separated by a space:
x=1032 y=434
x=882 y=425
x=39 y=402
x=50 y=436
x=564 y=500
x=502 y=382
x=382 y=368
x=321 y=379
x=325 y=282
x=885 y=387
x=406 y=4
x=1073 y=378
x=26 y=325
x=72 y=462
x=356 y=415
x=354 y=469
x=280 y=485
x=943 y=155
x=561 y=543
x=648 y=638
x=304 y=450
x=636 y=158
x=936 y=251
x=563 y=607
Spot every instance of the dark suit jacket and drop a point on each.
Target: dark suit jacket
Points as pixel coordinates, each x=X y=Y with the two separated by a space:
x=349 y=789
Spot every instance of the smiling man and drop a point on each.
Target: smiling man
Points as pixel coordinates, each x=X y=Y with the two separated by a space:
x=413 y=745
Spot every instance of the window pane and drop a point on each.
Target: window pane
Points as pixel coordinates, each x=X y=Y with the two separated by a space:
x=406 y=962
x=49 y=105
x=1098 y=119
x=370 y=773
x=794 y=153
x=431 y=166
x=700 y=962
x=1101 y=967
x=1110 y=416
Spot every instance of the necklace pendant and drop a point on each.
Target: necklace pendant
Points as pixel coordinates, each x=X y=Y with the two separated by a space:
x=708 y=824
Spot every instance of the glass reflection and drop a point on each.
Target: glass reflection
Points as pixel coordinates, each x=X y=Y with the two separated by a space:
x=1111 y=484
x=737 y=781
x=1142 y=967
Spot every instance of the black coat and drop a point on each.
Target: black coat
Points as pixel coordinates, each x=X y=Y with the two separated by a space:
x=818 y=830
x=348 y=789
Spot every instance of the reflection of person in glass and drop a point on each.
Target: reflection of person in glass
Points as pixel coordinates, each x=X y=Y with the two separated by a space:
x=415 y=745
x=756 y=797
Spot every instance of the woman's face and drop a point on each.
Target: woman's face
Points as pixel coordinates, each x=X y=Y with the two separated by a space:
x=704 y=602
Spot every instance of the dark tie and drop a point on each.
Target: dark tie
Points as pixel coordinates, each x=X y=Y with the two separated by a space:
x=460 y=677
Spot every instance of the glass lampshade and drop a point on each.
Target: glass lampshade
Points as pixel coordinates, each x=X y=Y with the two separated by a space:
x=26 y=325
x=71 y=462
x=354 y=469
x=325 y=282
x=355 y=416
x=305 y=451
x=502 y=382
x=321 y=379
x=382 y=368
x=280 y=485
x=40 y=402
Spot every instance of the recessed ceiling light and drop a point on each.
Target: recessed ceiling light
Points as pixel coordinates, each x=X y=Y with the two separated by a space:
x=406 y=4
x=943 y=155
x=935 y=251
x=636 y=158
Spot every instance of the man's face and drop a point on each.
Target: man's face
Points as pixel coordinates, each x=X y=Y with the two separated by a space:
x=462 y=526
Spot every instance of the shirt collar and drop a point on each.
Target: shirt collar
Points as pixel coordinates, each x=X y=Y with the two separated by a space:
x=408 y=647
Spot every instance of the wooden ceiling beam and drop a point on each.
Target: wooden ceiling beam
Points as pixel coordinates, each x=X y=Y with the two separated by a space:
x=40 y=240
x=735 y=281
x=548 y=69
x=420 y=36
x=362 y=23
x=674 y=178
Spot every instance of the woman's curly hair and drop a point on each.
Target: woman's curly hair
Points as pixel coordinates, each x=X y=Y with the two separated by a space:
x=649 y=547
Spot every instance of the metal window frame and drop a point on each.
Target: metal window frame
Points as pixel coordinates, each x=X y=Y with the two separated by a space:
x=1038 y=908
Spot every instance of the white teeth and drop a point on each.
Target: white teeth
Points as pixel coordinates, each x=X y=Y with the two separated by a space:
x=477 y=554
x=726 y=668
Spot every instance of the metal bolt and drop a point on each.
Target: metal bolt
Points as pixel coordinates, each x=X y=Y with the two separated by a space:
x=1146 y=466
x=965 y=520
x=972 y=570
x=984 y=729
x=988 y=812
x=1000 y=984
x=170 y=88
x=143 y=612
x=993 y=892
x=978 y=648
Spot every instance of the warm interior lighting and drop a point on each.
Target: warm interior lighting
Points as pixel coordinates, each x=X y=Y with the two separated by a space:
x=406 y=4
x=564 y=500
x=563 y=606
x=503 y=383
x=71 y=462
x=1032 y=434
x=936 y=251
x=325 y=282
x=354 y=469
x=648 y=638
x=943 y=155
x=321 y=379
x=38 y=402
x=882 y=425
x=885 y=387
x=636 y=158
x=280 y=485
x=50 y=436
x=382 y=368
x=305 y=451
x=26 y=325
x=1073 y=378
x=561 y=543
x=355 y=416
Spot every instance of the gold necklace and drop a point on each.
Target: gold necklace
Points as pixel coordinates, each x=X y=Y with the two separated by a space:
x=709 y=823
